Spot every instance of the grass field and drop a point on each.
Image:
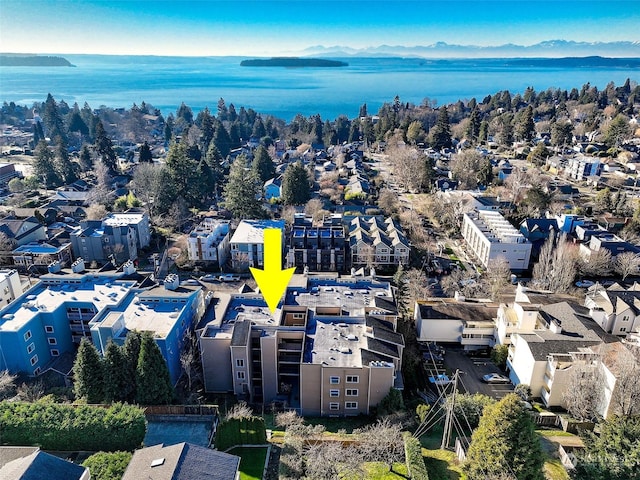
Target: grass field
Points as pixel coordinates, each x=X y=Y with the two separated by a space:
x=251 y=461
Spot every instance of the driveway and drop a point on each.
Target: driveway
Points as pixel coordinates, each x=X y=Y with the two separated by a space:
x=471 y=371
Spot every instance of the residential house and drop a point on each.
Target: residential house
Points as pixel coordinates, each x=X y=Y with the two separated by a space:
x=318 y=249
x=7 y=173
x=273 y=188
x=209 y=241
x=54 y=315
x=607 y=241
x=31 y=463
x=331 y=348
x=134 y=217
x=377 y=242
x=247 y=243
x=94 y=241
x=183 y=461
x=490 y=236
x=615 y=309
x=538 y=230
x=42 y=254
x=581 y=167
x=455 y=320
x=22 y=231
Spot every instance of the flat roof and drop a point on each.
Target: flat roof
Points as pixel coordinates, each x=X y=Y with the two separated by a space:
x=335 y=344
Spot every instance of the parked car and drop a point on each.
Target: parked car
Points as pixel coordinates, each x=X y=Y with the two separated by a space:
x=495 y=378
x=440 y=379
x=209 y=278
x=584 y=283
x=229 y=277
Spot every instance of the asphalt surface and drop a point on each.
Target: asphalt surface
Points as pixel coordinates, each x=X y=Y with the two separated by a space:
x=471 y=371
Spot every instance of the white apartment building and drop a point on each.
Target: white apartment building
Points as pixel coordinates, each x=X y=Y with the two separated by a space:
x=10 y=286
x=209 y=241
x=490 y=236
x=247 y=243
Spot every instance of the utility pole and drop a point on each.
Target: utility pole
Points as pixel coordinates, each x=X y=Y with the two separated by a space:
x=448 y=421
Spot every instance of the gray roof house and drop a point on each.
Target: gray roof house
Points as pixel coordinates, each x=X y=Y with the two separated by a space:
x=183 y=461
x=30 y=463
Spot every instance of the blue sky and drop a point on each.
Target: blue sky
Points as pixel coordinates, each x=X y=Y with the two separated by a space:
x=209 y=27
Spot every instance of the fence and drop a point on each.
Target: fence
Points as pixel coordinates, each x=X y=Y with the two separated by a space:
x=201 y=410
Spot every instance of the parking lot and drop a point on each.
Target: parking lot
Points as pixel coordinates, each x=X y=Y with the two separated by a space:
x=471 y=371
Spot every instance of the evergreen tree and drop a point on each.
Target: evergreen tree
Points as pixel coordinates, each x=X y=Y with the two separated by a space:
x=363 y=111
x=262 y=164
x=617 y=131
x=53 y=119
x=145 y=153
x=184 y=176
x=505 y=441
x=44 y=166
x=104 y=148
x=612 y=455
x=442 y=131
x=86 y=162
x=222 y=140
x=117 y=385
x=76 y=123
x=483 y=134
x=185 y=113
x=65 y=168
x=295 y=185
x=214 y=161
x=153 y=384
x=131 y=353
x=561 y=133
x=473 y=128
x=88 y=373
x=258 y=130
x=206 y=122
x=526 y=127
x=243 y=190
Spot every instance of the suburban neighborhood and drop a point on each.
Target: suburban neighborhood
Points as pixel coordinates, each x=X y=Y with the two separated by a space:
x=462 y=272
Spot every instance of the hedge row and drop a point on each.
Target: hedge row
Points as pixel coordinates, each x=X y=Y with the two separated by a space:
x=241 y=431
x=413 y=456
x=54 y=426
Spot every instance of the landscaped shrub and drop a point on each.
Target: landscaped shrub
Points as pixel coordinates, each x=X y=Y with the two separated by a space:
x=413 y=457
x=55 y=426
x=107 y=466
x=241 y=431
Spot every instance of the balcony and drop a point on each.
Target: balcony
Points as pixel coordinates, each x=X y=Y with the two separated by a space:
x=290 y=346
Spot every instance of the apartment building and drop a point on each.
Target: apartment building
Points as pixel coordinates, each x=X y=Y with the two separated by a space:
x=318 y=248
x=209 y=241
x=490 y=236
x=581 y=167
x=10 y=286
x=42 y=254
x=247 y=243
x=94 y=241
x=53 y=316
x=454 y=320
x=134 y=217
x=331 y=348
x=378 y=242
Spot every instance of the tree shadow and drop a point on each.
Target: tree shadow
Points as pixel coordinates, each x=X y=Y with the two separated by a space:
x=439 y=469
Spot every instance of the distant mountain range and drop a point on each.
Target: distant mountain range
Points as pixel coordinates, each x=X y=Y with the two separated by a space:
x=546 y=49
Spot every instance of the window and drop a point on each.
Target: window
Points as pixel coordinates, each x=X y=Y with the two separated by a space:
x=353 y=379
x=27 y=335
x=334 y=393
x=34 y=360
x=240 y=375
x=36 y=371
x=239 y=362
x=334 y=406
x=52 y=341
x=351 y=405
x=55 y=353
x=625 y=318
x=334 y=380
x=30 y=348
x=623 y=329
x=48 y=328
x=352 y=392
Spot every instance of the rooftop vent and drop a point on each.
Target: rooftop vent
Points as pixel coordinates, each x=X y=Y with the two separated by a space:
x=54 y=267
x=171 y=282
x=78 y=266
x=157 y=462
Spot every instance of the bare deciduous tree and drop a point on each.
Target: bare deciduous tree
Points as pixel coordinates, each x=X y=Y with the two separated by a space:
x=96 y=211
x=7 y=384
x=599 y=263
x=382 y=442
x=288 y=419
x=239 y=410
x=626 y=397
x=314 y=209
x=557 y=265
x=497 y=277
x=388 y=201
x=627 y=263
x=584 y=393
x=148 y=184
x=331 y=460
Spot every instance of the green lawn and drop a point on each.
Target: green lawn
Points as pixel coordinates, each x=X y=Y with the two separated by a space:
x=380 y=471
x=441 y=465
x=251 y=461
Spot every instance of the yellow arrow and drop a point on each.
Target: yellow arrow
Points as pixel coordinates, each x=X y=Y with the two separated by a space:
x=272 y=280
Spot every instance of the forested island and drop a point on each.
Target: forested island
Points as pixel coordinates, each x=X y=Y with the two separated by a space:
x=33 y=61
x=292 y=62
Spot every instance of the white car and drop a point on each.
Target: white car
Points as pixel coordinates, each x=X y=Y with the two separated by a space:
x=495 y=378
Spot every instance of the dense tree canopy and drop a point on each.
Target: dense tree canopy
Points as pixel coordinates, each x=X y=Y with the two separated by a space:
x=295 y=185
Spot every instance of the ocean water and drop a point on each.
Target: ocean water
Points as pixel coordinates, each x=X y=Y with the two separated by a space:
x=165 y=82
